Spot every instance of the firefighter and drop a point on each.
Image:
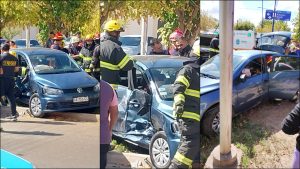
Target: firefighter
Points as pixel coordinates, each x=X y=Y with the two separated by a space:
x=86 y=53
x=110 y=55
x=186 y=110
x=214 y=46
x=180 y=46
x=8 y=69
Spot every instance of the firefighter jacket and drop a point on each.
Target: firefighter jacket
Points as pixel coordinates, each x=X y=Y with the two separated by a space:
x=214 y=47
x=112 y=60
x=187 y=92
x=86 y=54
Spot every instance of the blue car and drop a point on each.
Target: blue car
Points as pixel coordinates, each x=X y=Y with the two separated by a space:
x=257 y=76
x=145 y=107
x=9 y=160
x=53 y=82
x=274 y=41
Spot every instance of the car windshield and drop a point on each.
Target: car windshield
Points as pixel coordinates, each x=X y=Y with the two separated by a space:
x=164 y=79
x=23 y=43
x=212 y=67
x=53 y=64
x=133 y=41
x=276 y=40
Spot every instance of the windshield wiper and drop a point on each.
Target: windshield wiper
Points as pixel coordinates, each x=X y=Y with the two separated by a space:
x=208 y=75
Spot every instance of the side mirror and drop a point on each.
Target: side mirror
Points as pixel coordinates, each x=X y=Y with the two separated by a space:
x=243 y=77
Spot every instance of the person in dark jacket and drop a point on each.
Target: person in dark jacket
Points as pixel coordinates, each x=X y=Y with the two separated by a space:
x=50 y=41
x=58 y=43
x=86 y=53
x=8 y=68
x=180 y=46
x=291 y=126
x=214 y=46
x=110 y=55
x=186 y=110
x=157 y=48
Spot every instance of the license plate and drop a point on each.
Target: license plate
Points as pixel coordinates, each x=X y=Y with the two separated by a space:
x=80 y=99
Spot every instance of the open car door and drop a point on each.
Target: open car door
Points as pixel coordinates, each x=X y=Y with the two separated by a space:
x=284 y=78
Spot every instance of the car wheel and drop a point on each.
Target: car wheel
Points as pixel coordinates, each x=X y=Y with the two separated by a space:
x=35 y=106
x=210 y=124
x=160 y=150
x=295 y=97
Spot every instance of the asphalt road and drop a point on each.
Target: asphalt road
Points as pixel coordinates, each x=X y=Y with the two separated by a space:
x=57 y=142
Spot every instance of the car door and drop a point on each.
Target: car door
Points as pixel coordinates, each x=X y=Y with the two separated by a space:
x=23 y=87
x=250 y=85
x=284 y=77
x=138 y=126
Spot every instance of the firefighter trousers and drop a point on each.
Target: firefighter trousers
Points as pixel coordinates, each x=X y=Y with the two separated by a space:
x=188 y=151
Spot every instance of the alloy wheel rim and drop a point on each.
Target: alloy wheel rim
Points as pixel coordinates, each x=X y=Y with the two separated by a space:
x=161 y=152
x=36 y=106
x=216 y=123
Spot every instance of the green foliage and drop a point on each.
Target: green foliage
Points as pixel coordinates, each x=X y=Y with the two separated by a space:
x=9 y=33
x=244 y=25
x=207 y=21
x=267 y=26
x=297 y=27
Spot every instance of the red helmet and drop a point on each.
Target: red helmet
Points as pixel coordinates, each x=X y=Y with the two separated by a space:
x=177 y=34
x=58 y=36
x=97 y=36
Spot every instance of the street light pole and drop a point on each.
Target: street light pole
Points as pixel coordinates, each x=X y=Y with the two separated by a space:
x=225 y=155
x=274 y=15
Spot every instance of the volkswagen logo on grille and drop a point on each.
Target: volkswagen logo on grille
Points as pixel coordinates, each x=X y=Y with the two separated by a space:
x=79 y=90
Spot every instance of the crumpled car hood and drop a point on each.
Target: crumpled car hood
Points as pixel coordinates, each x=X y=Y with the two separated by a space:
x=208 y=85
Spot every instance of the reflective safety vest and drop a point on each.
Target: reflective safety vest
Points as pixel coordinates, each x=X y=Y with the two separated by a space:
x=86 y=57
x=113 y=61
x=187 y=91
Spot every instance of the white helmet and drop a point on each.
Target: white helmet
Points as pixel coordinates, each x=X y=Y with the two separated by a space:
x=75 y=39
x=196 y=48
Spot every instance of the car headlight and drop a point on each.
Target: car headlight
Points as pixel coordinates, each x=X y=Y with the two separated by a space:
x=52 y=91
x=97 y=87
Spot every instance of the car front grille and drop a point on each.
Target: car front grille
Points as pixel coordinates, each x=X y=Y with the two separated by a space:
x=84 y=90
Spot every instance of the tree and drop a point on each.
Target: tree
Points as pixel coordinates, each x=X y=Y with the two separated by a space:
x=9 y=33
x=244 y=25
x=182 y=14
x=267 y=26
x=297 y=27
x=207 y=22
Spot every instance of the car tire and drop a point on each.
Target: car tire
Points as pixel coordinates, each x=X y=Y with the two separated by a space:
x=35 y=106
x=210 y=124
x=295 y=97
x=159 y=150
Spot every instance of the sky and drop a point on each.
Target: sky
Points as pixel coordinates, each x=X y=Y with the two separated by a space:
x=252 y=10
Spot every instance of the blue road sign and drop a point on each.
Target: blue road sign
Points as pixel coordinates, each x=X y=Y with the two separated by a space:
x=279 y=15
x=269 y=14
x=283 y=15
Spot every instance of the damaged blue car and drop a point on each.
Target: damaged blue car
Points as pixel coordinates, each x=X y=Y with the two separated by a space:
x=257 y=76
x=145 y=107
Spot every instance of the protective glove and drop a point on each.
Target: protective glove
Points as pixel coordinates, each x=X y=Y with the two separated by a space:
x=178 y=111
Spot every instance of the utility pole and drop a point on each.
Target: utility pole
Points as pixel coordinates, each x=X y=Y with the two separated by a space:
x=274 y=15
x=225 y=155
x=144 y=35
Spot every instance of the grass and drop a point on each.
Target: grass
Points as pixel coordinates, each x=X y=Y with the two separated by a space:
x=245 y=135
x=125 y=147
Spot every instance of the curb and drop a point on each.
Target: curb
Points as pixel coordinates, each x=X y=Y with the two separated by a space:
x=64 y=116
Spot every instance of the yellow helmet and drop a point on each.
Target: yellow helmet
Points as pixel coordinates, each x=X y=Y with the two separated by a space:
x=113 y=25
x=89 y=37
x=196 y=48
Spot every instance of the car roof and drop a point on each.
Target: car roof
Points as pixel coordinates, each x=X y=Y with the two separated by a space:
x=160 y=61
x=249 y=53
x=30 y=51
x=283 y=33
